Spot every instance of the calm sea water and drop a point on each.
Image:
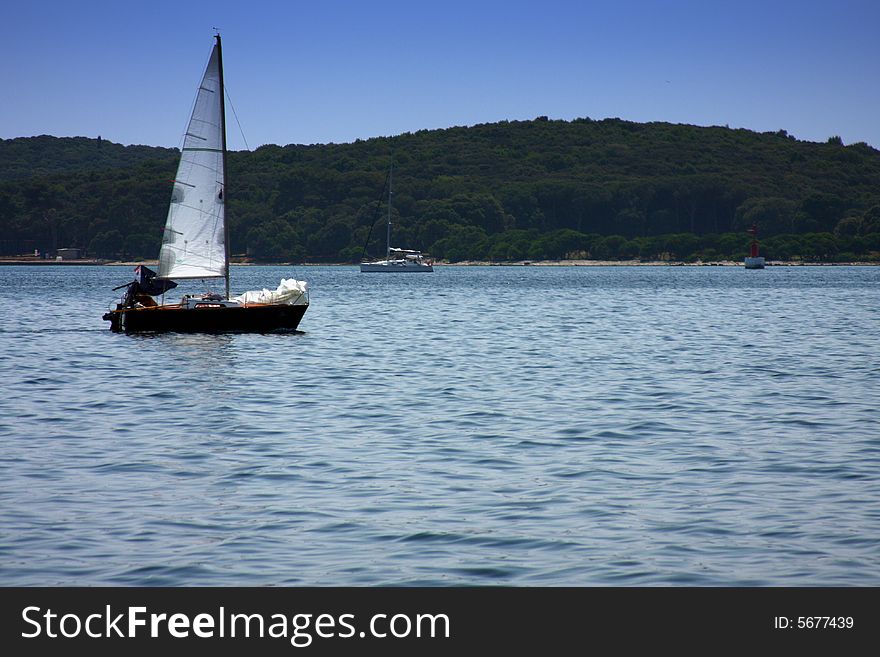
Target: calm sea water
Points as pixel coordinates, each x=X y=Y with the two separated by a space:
x=621 y=426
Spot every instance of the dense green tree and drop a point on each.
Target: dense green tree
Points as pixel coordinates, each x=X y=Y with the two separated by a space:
x=819 y=246
x=870 y=221
x=274 y=241
x=561 y=244
x=107 y=245
x=772 y=215
x=462 y=243
x=783 y=247
x=821 y=211
x=140 y=246
x=610 y=247
x=326 y=241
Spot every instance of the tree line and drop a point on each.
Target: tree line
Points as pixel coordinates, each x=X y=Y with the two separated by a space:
x=507 y=191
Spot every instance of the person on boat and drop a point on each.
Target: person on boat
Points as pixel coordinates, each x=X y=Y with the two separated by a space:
x=143 y=287
x=145 y=300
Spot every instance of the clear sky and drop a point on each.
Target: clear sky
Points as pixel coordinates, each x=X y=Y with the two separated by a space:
x=317 y=71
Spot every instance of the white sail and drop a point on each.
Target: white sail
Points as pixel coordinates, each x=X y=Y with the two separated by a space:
x=193 y=245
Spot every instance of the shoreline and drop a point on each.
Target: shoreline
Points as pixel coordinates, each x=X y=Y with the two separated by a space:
x=652 y=263
x=464 y=263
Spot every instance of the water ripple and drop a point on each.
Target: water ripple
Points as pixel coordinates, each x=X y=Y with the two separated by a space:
x=630 y=427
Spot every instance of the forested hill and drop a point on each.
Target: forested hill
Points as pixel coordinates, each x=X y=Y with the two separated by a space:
x=35 y=157
x=502 y=191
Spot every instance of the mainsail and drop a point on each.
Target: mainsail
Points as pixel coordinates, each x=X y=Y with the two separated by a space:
x=193 y=245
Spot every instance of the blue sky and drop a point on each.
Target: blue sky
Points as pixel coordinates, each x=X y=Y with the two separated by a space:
x=318 y=71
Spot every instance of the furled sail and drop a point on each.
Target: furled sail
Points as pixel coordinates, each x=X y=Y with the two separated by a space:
x=193 y=245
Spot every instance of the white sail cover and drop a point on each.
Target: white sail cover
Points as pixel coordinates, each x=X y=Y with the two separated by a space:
x=290 y=291
x=194 y=242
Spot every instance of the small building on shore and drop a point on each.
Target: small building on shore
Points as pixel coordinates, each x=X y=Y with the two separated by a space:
x=68 y=254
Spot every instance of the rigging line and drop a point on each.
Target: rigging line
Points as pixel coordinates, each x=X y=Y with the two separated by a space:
x=376 y=217
x=235 y=114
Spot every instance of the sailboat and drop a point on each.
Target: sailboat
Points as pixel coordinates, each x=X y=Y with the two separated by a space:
x=195 y=244
x=753 y=260
x=397 y=260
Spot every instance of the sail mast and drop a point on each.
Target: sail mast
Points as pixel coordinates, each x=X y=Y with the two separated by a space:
x=388 y=236
x=223 y=149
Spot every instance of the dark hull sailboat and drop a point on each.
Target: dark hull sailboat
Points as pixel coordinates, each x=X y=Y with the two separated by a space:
x=208 y=317
x=252 y=312
x=196 y=242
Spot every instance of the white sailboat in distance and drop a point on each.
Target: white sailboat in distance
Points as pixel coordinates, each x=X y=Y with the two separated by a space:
x=397 y=260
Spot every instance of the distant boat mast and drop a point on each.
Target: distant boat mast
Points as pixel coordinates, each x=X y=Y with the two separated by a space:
x=388 y=234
